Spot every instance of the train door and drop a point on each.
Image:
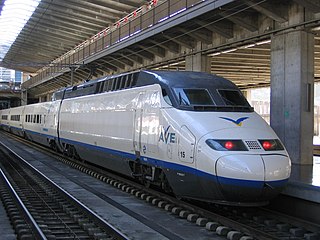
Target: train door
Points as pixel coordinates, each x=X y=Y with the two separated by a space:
x=186 y=145
x=186 y=183
x=137 y=126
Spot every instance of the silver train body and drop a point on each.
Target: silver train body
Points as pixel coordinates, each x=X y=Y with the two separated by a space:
x=193 y=134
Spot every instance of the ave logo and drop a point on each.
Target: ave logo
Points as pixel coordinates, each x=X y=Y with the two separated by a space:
x=166 y=136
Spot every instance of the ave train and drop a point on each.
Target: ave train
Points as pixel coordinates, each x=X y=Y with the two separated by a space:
x=191 y=133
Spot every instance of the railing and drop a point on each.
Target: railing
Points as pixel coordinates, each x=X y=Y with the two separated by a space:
x=137 y=21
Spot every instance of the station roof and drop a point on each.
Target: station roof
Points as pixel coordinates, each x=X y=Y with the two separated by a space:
x=58 y=26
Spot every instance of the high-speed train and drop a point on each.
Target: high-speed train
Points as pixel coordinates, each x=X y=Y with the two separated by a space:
x=193 y=134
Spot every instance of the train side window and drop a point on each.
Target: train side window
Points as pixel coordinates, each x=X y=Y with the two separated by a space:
x=118 y=81
x=110 y=84
x=123 y=81
x=113 y=81
x=134 y=79
x=107 y=86
x=128 y=80
x=101 y=87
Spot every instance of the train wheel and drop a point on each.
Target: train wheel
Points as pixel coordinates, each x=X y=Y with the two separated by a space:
x=72 y=152
x=147 y=183
x=53 y=146
x=165 y=183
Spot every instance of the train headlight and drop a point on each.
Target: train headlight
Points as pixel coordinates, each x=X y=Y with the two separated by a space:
x=271 y=144
x=226 y=145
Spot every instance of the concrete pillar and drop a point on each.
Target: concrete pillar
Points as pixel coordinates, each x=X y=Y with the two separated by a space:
x=292 y=89
x=198 y=63
x=24 y=97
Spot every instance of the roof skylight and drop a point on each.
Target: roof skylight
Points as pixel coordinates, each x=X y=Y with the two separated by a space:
x=14 y=15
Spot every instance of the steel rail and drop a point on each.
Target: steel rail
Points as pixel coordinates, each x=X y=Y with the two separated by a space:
x=38 y=234
x=129 y=186
x=100 y=221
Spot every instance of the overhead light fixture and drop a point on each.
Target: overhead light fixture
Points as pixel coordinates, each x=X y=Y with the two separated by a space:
x=215 y=54
x=263 y=42
x=14 y=15
x=230 y=50
x=249 y=45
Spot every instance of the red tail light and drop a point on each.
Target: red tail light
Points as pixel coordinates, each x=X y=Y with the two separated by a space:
x=226 y=145
x=271 y=145
x=266 y=145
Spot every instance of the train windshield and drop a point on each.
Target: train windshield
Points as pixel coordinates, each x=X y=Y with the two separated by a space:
x=202 y=99
x=189 y=97
x=233 y=98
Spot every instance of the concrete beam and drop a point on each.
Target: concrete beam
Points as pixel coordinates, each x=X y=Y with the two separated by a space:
x=222 y=27
x=142 y=53
x=198 y=63
x=243 y=21
x=168 y=45
x=313 y=6
x=154 y=50
x=131 y=57
x=180 y=40
x=197 y=35
x=268 y=10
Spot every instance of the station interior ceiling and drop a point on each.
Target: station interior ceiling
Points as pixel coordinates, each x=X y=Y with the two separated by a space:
x=58 y=26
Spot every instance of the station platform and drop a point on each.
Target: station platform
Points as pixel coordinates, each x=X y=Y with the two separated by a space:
x=304 y=182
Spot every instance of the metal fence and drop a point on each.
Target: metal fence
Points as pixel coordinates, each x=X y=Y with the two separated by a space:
x=141 y=19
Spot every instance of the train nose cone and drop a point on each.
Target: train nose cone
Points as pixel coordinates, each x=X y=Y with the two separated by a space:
x=277 y=173
x=251 y=178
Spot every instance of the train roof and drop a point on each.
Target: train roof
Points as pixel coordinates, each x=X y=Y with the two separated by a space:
x=167 y=79
x=184 y=79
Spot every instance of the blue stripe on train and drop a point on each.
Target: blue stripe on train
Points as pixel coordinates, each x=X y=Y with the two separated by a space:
x=175 y=166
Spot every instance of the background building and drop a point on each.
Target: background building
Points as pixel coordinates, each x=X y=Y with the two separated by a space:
x=10 y=87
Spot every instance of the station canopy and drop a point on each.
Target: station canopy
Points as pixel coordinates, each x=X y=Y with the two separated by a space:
x=35 y=32
x=14 y=16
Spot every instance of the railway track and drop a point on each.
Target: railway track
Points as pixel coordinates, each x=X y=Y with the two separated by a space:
x=231 y=223
x=39 y=209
